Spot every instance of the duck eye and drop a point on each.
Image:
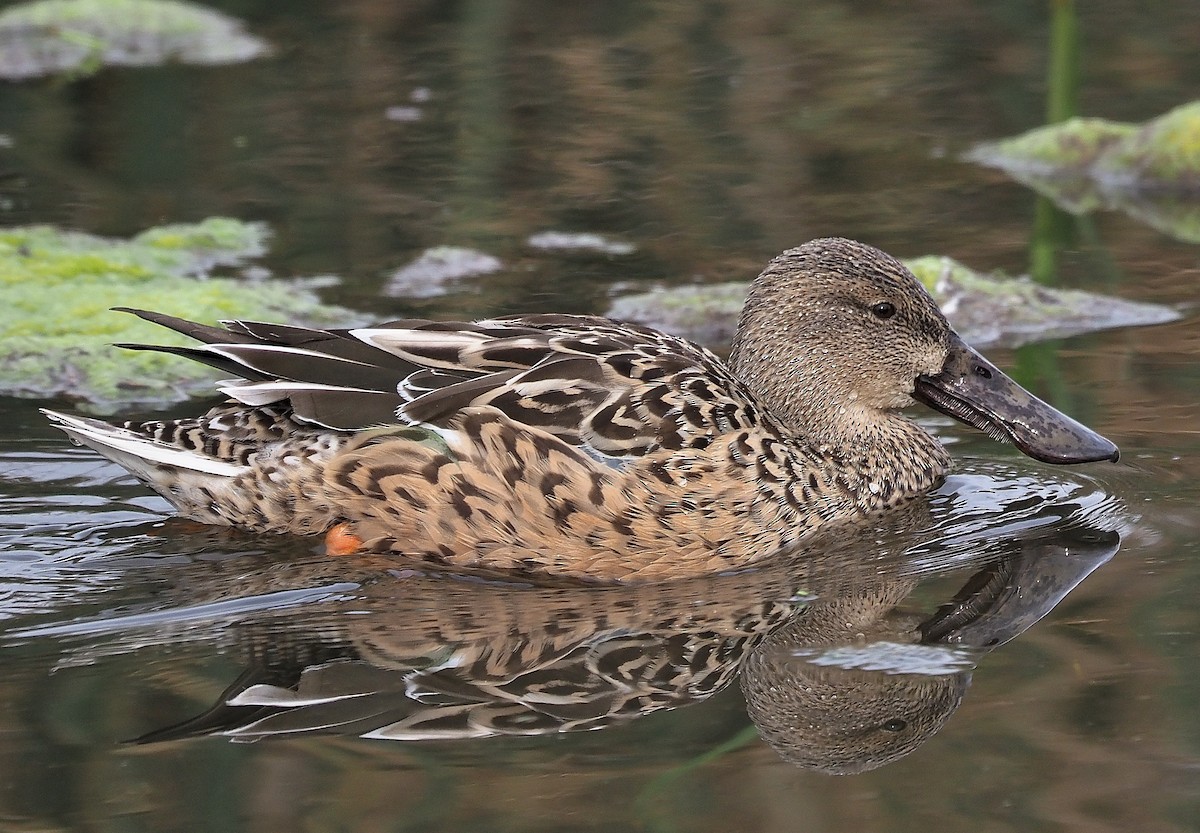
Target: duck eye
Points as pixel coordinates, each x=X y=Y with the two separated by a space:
x=895 y=725
x=883 y=310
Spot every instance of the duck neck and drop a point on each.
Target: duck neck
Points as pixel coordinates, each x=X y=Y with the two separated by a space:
x=887 y=457
x=883 y=456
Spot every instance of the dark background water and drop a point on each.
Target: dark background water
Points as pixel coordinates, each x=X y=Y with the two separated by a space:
x=711 y=135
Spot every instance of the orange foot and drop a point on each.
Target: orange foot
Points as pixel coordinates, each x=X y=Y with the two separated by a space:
x=339 y=540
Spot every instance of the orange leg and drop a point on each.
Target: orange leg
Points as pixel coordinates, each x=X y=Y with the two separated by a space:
x=339 y=540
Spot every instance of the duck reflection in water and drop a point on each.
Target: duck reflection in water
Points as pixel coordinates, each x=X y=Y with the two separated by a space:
x=856 y=683
x=837 y=676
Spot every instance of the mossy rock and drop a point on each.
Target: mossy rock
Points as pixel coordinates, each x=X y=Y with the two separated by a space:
x=1177 y=217
x=994 y=309
x=77 y=37
x=438 y=270
x=1056 y=160
x=1072 y=145
x=987 y=310
x=707 y=313
x=1151 y=171
x=57 y=327
x=1162 y=155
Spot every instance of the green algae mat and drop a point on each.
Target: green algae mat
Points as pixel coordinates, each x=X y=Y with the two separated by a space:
x=57 y=328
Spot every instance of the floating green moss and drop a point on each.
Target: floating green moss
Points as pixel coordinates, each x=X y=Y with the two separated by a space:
x=985 y=309
x=1151 y=171
x=77 y=37
x=57 y=328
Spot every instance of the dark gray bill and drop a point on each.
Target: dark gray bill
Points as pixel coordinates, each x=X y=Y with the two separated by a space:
x=973 y=390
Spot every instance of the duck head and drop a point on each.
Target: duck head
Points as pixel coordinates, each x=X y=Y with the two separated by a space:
x=837 y=335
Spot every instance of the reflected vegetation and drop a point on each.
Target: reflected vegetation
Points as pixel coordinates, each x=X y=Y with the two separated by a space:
x=843 y=668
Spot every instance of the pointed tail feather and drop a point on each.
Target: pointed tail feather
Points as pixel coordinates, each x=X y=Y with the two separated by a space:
x=201 y=332
x=329 y=378
x=142 y=455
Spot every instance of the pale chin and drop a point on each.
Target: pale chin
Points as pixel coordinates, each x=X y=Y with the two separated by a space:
x=902 y=401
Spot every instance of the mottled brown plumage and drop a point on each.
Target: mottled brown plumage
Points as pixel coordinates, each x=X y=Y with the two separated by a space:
x=581 y=446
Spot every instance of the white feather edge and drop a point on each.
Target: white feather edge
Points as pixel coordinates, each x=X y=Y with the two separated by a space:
x=263 y=694
x=400 y=342
x=393 y=337
x=400 y=730
x=235 y=352
x=106 y=438
x=257 y=394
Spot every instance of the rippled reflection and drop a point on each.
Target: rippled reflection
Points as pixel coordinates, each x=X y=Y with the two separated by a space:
x=856 y=682
x=841 y=669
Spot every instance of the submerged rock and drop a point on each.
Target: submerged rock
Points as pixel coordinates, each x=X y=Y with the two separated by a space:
x=436 y=269
x=57 y=328
x=1151 y=171
x=564 y=241
x=50 y=37
x=987 y=310
x=706 y=313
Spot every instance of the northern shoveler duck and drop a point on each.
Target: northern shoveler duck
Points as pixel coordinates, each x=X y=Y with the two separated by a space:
x=582 y=446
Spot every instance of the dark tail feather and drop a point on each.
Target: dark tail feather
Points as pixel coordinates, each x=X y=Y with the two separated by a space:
x=200 y=332
x=338 y=344
x=199 y=354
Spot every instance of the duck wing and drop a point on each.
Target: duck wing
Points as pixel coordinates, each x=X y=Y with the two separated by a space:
x=615 y=389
